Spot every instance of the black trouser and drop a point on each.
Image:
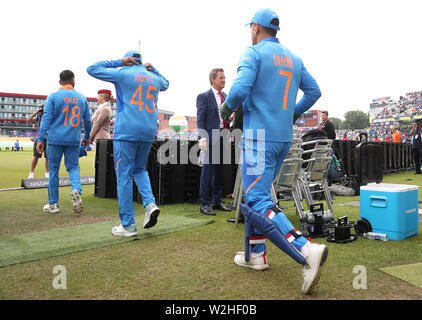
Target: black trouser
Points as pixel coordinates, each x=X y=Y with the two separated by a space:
x=417 y=159
x=211 y=188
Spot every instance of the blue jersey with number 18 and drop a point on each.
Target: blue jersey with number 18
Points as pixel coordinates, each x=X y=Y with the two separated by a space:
x=137 y=94
x=64 y=113
x=268 y=79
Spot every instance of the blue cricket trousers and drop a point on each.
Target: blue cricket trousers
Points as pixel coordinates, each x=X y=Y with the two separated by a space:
x=261 y=163
x=130 y=159
x=71 y=161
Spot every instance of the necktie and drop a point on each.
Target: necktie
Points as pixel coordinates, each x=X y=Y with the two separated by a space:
x=225 y=124
x=221 y=97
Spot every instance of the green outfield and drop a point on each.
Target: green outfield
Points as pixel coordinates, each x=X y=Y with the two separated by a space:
x=193 y=261
x=9 y=142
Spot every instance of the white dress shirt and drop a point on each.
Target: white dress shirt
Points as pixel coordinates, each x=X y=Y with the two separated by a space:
x=219 y=103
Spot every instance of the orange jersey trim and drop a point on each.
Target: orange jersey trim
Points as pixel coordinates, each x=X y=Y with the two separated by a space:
x=117 y=164
x=66 y=86
x=256 y=180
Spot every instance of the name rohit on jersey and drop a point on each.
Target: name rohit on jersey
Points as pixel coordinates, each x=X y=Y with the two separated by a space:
x=283 y=61
x=142 y=78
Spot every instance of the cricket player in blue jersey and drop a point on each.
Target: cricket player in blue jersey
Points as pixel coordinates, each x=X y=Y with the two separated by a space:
x=64 y=113
x=137 y=87
x=268 y=79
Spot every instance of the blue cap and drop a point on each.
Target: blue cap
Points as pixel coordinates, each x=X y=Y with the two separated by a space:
x=135 y=54
x=263 y=18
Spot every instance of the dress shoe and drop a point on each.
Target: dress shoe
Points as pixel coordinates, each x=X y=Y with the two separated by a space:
x=207 y=210
x=221 y=207
x=230 y=205
x=233 y=220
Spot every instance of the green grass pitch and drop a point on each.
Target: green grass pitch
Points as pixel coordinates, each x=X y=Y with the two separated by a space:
x=193 y=264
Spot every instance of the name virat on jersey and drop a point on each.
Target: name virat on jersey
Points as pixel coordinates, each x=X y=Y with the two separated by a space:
x=72 y=100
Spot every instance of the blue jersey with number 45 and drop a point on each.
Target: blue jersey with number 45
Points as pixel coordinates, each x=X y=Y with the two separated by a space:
x=268 y=79
x=137 y=94
x=64 y=113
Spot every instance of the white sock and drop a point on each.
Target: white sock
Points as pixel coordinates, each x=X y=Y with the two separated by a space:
x=306 y=248
x=256 y=254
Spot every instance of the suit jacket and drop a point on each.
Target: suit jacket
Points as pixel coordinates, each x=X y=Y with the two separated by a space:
x=207 y=114
x=238 y=119
x=329 y=128
x=100 y=124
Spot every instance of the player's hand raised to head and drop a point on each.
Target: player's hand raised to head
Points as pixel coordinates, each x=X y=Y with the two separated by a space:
x=129 y=61
x=148 y=66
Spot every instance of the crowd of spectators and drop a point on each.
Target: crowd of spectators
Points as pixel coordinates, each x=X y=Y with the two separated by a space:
x=385 y=109
x=409 y=105
x=376 y=134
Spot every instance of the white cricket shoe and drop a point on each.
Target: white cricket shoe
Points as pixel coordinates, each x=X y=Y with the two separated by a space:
x=52 y=208
x=151 y=214
x=31 y=175
x=257 y=261
x=78 y=206
x=130 y=231
x=315 y=255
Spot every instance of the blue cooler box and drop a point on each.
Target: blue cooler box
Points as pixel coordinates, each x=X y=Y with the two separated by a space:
x=390 y=208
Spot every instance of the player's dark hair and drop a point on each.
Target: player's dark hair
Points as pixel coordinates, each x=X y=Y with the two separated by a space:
x=66 y=76
x=272 y=32
x=325 y=112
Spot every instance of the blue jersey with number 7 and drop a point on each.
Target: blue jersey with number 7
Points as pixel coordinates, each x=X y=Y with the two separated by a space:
x=137 y=94
x=268 y=79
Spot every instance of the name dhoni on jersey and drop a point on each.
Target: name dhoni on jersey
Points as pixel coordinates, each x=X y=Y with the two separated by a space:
x=283 y=61
x=142 y=78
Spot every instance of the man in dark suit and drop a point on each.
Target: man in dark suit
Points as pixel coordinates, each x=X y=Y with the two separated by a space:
x=210 y=123
x=327 y=126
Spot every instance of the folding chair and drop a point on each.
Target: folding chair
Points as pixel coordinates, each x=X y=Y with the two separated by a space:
x=297 y=134
x=238 y=191
x=287 y=182
x=314 y=149
x=296 y=143
x=316 y=177
x=294 y=153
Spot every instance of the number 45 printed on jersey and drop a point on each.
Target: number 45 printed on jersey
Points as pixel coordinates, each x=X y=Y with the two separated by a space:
x=138 y=95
